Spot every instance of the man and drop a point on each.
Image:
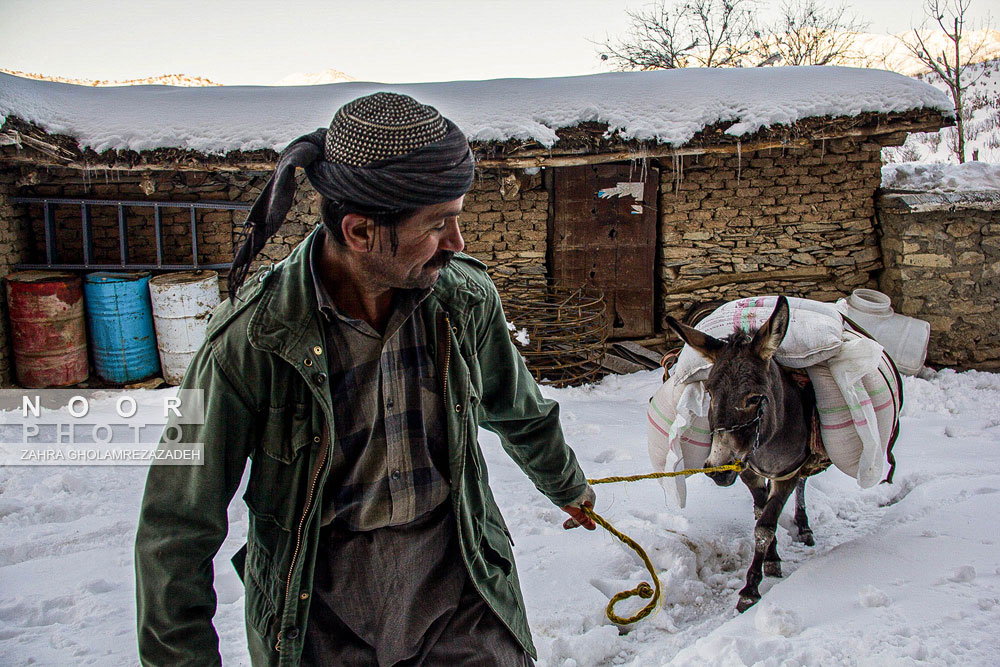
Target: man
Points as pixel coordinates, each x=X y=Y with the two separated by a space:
x=355 y=375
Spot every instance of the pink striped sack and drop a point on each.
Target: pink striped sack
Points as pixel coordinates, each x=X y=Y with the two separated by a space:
x=859 y=398
x=677 y=432
x=814 y=333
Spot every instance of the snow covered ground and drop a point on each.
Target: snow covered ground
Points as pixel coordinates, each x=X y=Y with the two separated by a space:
x=931 y=177
x=902 y=574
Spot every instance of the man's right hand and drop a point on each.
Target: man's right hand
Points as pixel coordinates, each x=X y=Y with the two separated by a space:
x=577 y=516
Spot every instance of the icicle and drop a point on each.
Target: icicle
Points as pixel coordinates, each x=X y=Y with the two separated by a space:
x=822 y=148
x=677 y=177
x=739 y=161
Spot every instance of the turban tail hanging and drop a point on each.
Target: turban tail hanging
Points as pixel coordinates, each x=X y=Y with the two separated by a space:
x=431 y=174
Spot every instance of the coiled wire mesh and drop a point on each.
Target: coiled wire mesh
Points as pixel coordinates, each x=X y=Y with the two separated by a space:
x=559 y=330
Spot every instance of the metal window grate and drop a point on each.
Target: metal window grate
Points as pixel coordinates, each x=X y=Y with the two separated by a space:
x=52 y=259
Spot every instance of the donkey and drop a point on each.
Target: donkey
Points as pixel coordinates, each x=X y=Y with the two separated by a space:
x=763 y=418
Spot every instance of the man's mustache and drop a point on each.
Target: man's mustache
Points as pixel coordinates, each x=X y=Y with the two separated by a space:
x=441 y=259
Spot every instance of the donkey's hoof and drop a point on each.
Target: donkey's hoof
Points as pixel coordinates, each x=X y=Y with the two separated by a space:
x=806 y=538
x=746 y=602
x=772 y=568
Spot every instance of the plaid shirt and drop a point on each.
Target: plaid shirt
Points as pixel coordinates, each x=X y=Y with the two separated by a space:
x=385 y=469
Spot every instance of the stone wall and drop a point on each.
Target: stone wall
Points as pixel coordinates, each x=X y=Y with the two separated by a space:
x=216 y=228
x=942 y=257
x=504 y=222
x=798 y=222
x=794 y=222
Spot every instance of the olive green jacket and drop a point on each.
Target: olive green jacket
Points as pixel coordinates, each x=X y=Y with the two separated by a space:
x=263 y=371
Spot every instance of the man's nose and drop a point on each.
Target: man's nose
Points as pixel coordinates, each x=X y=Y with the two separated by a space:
x=453 y=240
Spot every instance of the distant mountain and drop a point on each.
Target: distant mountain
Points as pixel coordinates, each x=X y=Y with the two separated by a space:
x=982 y=120
x=315 y=78
x=161 y=80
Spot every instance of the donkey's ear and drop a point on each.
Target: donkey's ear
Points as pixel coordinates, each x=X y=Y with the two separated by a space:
x=768 y=337
x=708 y=346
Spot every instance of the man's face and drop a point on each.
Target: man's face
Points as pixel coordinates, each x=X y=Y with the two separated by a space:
x=427 y=242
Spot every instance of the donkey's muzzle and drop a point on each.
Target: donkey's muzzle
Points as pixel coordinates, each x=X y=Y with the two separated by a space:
x=725 y=478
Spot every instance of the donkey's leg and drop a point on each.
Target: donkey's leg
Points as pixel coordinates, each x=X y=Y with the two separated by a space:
x=760 y=490
x=763 y=541
x=805 y=533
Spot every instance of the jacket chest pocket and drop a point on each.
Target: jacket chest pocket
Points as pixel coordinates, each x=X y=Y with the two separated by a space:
x=280 y=466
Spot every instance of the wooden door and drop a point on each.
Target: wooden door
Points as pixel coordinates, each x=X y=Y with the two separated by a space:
x=604 y=235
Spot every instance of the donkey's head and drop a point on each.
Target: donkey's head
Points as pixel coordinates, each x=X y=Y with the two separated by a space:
x=744 y=391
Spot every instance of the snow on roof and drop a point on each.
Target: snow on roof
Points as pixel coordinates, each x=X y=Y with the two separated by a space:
x=669 y=106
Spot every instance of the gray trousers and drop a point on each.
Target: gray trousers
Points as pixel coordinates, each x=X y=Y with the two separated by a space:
x=401 y=596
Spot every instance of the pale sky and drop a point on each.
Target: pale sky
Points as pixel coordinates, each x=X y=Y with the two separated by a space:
x=251 y=42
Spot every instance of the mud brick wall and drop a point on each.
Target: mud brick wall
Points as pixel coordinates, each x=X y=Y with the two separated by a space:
x=804 y=216
x=13 y=247
x=943 y=266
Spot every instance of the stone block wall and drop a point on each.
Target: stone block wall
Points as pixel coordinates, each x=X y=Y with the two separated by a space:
x=216 y=228
x=798 y=222
x=794 y=222
x=504 y=222
x=943 y=266
x=505 y=225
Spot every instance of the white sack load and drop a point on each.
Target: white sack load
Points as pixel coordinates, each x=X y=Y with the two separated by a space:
x=857 y=391
x=677 y=432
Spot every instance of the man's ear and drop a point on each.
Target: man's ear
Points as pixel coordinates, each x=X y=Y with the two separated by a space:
x=359 y=232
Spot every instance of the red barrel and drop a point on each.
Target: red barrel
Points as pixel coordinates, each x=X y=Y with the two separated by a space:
x=48 y=329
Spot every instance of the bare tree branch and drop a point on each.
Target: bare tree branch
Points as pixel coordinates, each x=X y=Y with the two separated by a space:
x=809 y=34
x=949 y=15
x=699 y=33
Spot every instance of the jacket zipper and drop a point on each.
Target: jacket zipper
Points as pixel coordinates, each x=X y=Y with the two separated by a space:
x=302 y=520
x=447 y=354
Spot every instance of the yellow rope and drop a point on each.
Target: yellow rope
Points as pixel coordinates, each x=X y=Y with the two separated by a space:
x=738 y=466
x=643 y=590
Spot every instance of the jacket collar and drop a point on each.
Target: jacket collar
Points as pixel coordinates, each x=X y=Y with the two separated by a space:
x=287 y=303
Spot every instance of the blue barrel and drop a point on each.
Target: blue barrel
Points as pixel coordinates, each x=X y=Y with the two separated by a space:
x=120 y=319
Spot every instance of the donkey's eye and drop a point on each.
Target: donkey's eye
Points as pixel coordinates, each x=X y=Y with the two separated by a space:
x=753 y=401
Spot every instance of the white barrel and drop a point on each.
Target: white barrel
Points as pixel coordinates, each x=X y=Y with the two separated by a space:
x=904 y=338
x=182 y=303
